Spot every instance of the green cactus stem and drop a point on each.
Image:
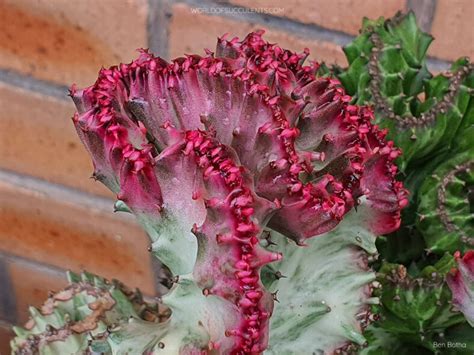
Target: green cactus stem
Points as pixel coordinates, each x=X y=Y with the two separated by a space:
x=325 y=295
x=387 y=68
x=447 y=220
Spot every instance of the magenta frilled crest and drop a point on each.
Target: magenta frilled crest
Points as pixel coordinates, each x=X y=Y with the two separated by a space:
x=253 y=130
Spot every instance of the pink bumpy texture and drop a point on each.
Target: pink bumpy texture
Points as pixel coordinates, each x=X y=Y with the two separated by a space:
x=268 y=140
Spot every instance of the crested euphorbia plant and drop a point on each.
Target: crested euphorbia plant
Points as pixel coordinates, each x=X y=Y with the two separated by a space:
x=257 y=181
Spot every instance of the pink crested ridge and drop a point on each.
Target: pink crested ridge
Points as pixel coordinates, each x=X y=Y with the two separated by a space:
x=232 y=257
x=346 y=156
x=461 y=283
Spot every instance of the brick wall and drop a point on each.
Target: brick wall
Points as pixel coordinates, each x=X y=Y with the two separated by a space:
x=53 y=217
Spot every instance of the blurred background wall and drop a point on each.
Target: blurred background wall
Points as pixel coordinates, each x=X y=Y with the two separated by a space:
x=52 y=216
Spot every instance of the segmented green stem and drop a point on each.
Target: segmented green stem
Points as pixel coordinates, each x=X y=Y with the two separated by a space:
x=442 y=208
x=410 y=121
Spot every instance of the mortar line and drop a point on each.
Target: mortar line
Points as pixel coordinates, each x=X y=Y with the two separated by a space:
x=437 y=65
x=5 y=324
x=159 y=15
x=32 y=84
x=57 y=191
x=37 y=265
x=7 y=298
x=425 y=11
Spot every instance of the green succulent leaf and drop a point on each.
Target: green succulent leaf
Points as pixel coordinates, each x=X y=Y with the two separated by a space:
x=324 y=294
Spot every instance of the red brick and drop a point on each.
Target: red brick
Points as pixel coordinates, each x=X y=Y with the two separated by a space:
x=65 y=229
x=68 y=41
x=5 y=335
x=342 y=15
x=453 y=29
x=38 y=138
x=187 y=36
x=31 y=283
